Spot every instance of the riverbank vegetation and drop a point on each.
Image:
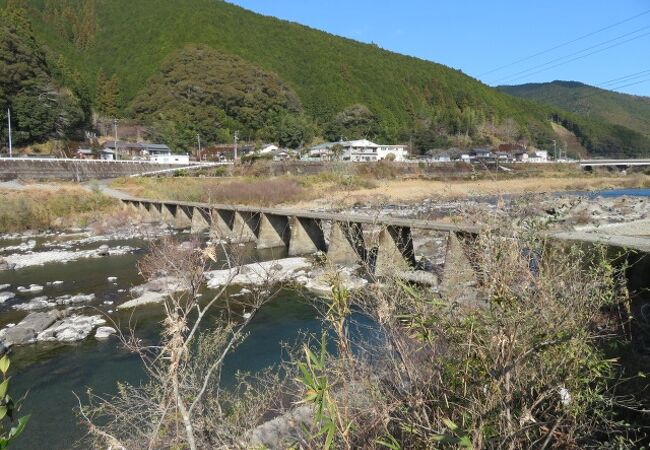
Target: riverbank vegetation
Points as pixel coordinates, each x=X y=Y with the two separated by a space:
x=516 y=350
x=374 y=184
x=41 y=209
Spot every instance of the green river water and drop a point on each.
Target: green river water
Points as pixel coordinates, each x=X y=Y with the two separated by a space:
x=53 y=373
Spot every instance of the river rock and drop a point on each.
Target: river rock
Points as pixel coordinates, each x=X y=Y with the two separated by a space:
x=103 y=250
x=33 y=288
x=112 y=279
x=28 y=329
x=35 y=304
x=104 y=332
x=74 y=299
x=258 y=274
x=71 y=329
x=4 y=296
x=4 y=286
x=6 y=265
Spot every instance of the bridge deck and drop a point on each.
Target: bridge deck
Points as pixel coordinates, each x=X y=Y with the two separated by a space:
x=335 y=217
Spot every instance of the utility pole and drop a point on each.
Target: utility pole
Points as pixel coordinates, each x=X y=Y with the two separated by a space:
x=198 y=138
x=555 y=149
x=115 y=132
x=9 y=120
x=236 y=139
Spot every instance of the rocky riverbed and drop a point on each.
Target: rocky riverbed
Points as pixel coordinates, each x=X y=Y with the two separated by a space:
x=52 y=312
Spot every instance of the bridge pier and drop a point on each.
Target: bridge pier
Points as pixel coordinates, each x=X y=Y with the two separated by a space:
x=200 y=220
x=346 y=244
x=306 y=236
x=221 y=223
x=144 y=212
x=155 y=212
x=244 y=226
x=459 y=273
x=395 y=250
x=273 y=231
x=174 y=216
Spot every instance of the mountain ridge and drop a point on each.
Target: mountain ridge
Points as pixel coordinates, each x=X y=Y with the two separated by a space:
x=111 y=50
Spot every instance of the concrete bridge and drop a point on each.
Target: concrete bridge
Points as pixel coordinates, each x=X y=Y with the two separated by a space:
x=87 y=169
x=619 y=163
x=385 y=244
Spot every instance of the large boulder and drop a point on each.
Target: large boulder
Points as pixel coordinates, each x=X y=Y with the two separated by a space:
x=28 y=329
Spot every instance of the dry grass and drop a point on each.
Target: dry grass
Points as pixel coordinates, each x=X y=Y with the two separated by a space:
x=343 y=189
x=40 y=209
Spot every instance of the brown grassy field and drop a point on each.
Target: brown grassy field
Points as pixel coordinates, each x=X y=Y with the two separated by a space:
x=333 y=189
x=55 y=207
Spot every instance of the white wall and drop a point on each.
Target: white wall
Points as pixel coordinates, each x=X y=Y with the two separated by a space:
x=170 y=159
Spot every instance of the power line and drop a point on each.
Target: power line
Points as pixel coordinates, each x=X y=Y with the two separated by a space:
x=564 y=44
x=627 y=77
x=515 y=75
x=578 y=57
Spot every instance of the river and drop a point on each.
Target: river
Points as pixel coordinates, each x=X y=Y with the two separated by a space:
x=54 y=372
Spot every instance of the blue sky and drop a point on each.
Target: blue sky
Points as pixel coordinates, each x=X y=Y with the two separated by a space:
x=478 y=36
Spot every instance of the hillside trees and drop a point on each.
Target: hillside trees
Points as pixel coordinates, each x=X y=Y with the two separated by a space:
x=41 y=108
x=354 y=122
x=107 y=96
x=74 y=20
x=200 y=90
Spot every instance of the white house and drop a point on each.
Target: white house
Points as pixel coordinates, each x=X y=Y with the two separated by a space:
x=361 y=150
x=269 y=149
x=107 y=154
x=170 y=158
x=538 y=156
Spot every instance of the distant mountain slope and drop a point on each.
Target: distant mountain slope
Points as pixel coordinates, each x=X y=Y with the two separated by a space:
x=113 y=50
x=622 y=109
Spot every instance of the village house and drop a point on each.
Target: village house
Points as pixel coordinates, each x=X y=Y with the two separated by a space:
x=84 y=153
x=538 y=156
x=481 y=153
x=361 y=150
x=124 y=149
x=106 y=154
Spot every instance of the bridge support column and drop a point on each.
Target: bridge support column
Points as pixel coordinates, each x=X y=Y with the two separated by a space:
x=221 y=223
x=346 y=244
x=144 y=212
x=459 y=274
x=200 y=220
x=244 y=226
x=175 y=216
x=183 y=217
x=273 y=231
x=154 y=212
x=130 y=206
x=167 y=214
x=395 y=251
x=306 y=236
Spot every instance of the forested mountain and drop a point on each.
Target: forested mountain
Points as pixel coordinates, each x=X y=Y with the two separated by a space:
x=630 y=111
x=208 y=67
x=41 y=107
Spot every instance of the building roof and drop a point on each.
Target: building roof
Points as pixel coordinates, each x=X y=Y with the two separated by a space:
x=122 y=144
x=155 y=146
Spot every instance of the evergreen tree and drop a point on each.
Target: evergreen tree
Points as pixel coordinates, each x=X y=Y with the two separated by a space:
x=354 y=122
x=108 y=91
x=40 y=107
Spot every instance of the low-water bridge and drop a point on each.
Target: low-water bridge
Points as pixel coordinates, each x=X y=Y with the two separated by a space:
x=384 y=243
